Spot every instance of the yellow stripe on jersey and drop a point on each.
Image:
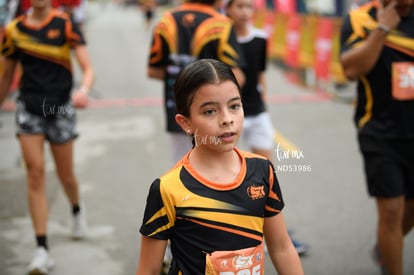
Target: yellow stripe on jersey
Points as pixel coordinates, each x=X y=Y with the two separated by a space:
x=215 y=29
x=227 y=229
x=160 y=229
x=30 y=46
x=368 y=105
x=402 y=44
x=208 y=214
x=8 y=45
x=167 y=29
x=157 y=215
x=210 y=30
x=218 y=28
x=362 y=24
x=361 y=21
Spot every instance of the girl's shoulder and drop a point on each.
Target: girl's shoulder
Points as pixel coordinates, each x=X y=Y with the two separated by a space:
x=252 y=156
x=254 y=34
x=259 y=33
x=60 y=14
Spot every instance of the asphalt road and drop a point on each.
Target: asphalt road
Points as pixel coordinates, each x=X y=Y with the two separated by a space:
x=123 y=147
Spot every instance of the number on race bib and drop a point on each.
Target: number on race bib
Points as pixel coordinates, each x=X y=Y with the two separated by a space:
x=255 y=271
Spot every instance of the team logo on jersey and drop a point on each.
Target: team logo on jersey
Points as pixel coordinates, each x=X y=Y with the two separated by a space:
x=242 y=262
x=52 y=34
x=188 y=19
x=256 y=192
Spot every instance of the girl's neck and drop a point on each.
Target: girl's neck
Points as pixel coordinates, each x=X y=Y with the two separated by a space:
x=38 y=15
x=216 y=167
x=242 y=31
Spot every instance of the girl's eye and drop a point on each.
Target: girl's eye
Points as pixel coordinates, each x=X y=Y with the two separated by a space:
x=209 y=112
x=236 y=106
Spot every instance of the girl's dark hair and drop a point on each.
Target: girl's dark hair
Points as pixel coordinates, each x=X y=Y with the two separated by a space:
x=197 y=74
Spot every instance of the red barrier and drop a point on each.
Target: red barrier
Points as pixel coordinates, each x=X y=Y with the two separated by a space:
x=303 y=42
x=307 y=40
x=277 y=41
x=26 y=4
x=285 y=6
x=293 y=37
x=323 y=44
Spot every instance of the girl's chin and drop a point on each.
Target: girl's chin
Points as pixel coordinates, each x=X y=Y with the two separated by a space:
x=219 y=148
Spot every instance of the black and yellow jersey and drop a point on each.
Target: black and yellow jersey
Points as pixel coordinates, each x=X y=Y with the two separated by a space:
x=201 y=217
x=188 y=32
x=384 y=107
x=44 y=53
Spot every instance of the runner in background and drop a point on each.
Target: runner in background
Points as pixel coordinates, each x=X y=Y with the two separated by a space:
x=377 y=43
x=258 y=131
x=182 y=35
x=193 y=30
x=148 y=10
x=41 y=41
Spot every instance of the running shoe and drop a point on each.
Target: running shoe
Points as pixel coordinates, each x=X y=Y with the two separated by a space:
x=79 y=224
x=41 y=262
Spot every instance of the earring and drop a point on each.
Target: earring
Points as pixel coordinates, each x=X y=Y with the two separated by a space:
x=188 y=130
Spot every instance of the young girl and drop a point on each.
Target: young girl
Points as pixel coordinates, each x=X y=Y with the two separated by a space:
x=218 y=203
x=40 y=42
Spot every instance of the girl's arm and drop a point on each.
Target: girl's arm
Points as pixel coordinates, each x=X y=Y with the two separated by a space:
x=151 y=256
x=9 y=66
x=80 y=97
x=359 y=61
x=281 y=250
x=262 y=85
x=156 y=72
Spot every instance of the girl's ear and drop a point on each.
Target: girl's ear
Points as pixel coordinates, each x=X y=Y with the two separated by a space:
x=184 y=123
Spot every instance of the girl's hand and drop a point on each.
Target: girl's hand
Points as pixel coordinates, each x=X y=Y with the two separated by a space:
x=80 y=98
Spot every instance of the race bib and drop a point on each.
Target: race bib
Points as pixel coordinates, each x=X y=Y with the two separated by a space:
x=248 y=261
x=403 y=80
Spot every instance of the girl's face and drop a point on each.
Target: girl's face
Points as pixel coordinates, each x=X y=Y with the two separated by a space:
x=240 y=11
x=216 y=116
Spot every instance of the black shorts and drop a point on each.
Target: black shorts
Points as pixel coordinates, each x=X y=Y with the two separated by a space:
x=57 y=130
x=389 y=166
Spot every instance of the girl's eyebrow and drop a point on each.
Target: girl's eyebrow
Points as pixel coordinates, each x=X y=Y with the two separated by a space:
x=237 y=98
